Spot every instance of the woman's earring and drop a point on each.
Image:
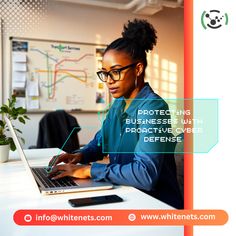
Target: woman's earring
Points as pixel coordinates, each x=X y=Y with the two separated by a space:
x=136 y=82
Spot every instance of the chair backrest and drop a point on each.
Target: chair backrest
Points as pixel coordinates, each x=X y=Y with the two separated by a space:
x=179 y=160
x=55 y=131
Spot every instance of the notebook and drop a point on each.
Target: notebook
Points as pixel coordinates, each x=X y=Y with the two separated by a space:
x=44 y=184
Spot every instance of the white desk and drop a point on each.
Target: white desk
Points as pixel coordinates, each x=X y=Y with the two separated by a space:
x=16 y=193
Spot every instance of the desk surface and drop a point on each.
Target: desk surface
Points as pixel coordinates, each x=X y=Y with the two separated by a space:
x=14 y=196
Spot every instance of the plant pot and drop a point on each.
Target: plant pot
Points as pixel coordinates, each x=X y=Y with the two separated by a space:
x=4 y=153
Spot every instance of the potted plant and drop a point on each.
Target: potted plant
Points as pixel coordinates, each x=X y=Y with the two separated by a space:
x=13 y=113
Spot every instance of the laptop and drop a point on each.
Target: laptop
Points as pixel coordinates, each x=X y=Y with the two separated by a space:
x=45 y=185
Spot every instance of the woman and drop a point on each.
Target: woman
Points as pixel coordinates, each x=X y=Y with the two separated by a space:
x=133 y=161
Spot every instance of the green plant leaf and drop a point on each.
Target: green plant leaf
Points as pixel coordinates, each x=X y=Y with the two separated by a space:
x=12 y=101
x=3 y=140
x=2 y=124
x=21 y=110
x=13 y=113
x=23 y=141
x=12 y=144
x=26 y=117
x=18 y=130
x=21 y=119
x=13 y=97
x=4 y=109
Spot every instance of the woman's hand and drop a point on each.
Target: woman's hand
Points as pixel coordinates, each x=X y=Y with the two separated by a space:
x=77 y=171
x=66 y=158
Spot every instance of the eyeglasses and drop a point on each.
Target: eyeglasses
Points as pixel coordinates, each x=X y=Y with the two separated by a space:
x=114 y=73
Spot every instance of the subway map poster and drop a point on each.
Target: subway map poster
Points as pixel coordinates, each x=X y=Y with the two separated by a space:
x=63 y=73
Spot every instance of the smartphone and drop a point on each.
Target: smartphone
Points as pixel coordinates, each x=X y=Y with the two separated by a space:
x=88 y=201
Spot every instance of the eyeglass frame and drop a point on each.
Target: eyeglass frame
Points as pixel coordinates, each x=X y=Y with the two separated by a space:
x=118 y=69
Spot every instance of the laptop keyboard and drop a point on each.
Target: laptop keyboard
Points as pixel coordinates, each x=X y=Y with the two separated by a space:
x=42 y=174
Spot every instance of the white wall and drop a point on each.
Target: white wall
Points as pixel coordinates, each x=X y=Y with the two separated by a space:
x=71 y=22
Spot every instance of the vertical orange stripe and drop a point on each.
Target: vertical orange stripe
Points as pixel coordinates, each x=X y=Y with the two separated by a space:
x=188 y=93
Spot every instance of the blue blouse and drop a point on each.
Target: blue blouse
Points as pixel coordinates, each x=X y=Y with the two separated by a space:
x=134 y=162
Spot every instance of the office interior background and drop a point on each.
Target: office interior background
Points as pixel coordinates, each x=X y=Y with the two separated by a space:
x=101 y=22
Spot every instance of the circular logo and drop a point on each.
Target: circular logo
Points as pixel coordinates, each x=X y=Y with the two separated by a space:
x=27 y=218
x=132 y=217
x=213 y=19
